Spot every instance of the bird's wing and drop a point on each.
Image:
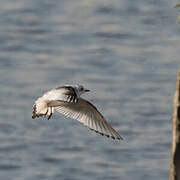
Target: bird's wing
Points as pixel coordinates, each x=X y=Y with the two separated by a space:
x=64 y=93
x=87 y=114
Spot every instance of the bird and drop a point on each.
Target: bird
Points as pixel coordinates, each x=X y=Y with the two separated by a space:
x=67 y=100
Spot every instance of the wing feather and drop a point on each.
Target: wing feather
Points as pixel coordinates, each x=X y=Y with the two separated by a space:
x=87 y=114
x=64 y=93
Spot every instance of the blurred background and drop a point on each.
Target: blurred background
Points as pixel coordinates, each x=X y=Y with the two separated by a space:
x=126 y=52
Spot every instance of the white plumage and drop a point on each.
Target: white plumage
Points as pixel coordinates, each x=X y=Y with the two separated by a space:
x=67 y=101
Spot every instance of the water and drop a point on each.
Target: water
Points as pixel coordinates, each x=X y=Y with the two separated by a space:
x=126 y=52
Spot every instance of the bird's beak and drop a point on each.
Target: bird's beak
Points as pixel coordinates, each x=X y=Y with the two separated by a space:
x=87 y=90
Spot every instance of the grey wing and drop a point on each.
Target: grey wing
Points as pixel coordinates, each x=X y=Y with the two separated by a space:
x=87 y=114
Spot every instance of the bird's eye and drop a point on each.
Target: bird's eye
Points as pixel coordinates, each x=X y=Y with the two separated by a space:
x=81 y=89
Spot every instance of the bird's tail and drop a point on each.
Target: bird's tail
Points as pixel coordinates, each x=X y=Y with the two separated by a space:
x=41 y=108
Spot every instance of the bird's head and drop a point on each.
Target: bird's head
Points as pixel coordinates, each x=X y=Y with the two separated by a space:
x=80 y=89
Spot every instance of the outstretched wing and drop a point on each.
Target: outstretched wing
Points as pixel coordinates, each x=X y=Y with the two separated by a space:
x=86 y=113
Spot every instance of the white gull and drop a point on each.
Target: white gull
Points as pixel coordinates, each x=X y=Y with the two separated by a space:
x=67 y=101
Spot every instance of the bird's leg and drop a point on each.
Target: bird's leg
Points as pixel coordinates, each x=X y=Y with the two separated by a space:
x=49 y=116
x=50 y=108
x=46 y=112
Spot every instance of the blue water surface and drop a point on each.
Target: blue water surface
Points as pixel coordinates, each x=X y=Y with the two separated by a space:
x=126 y=52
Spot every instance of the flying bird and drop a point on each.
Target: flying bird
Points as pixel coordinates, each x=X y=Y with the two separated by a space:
x=67 y=101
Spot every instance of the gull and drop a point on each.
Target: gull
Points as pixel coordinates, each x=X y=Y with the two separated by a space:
x=67 y=101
